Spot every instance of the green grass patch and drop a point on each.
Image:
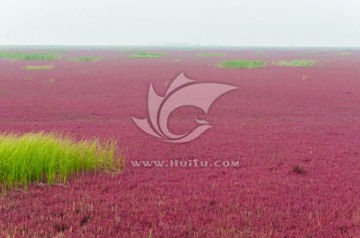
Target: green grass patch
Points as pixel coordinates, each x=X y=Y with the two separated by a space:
x=310 y=52
x=147 y=55
x=17 y=55
x=295 y=63
x=50 y=81
x=50 y=158
x=242 y=64
x=211 y=54
x=59 y=52
x=260 y=52
x=38 y=67
x=86 y=59
x=344 y=53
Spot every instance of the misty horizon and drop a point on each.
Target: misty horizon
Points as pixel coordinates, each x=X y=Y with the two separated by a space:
x=232 y=23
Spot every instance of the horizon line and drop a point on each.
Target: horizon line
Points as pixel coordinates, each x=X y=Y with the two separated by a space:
x=173 y=46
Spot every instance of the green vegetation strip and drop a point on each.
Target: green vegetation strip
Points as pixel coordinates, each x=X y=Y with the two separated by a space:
x=86 y=59
x=40 y=157
x=17 y=55
x=210 y=54
x=147 y=55
x=344 y=53
x=242 y=64
x=296 y=63
x=311 y=52
x=38 y=67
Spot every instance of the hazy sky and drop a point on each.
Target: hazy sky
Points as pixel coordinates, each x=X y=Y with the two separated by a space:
x=206 y=22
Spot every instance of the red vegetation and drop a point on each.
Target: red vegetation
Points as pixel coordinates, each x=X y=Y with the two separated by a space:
x=297 y=139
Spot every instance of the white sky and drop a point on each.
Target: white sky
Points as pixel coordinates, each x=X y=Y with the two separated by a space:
x=206 y=22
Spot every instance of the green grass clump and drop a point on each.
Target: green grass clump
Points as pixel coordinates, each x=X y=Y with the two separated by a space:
x=40 y=157
x=344 y=53
x=17 y=55
x=242 y=64
x=211 y=54
x=147 y=55
x=310 y=52
x=296 y=63
x=260 y=52
x=38 y=67
x=86 y=59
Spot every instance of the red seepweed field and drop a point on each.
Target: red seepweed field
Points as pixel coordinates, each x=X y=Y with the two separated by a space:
x=294 y=133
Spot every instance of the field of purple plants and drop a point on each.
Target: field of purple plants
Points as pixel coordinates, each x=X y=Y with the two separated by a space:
x=294 y=132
